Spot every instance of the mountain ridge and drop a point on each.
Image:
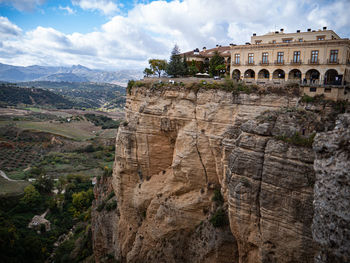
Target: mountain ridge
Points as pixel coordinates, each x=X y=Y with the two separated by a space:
x=75 y=73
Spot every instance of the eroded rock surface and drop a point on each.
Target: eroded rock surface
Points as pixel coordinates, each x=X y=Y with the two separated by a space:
x=179 y=145
x=331 y=223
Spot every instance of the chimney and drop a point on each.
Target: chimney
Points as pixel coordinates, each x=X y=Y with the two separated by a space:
x=298 y=31
x=309 y=30
x=254 y=34
x=281 y=30
x=217 y=45
x=204 y=48
x=276 y=32
x=324 y=28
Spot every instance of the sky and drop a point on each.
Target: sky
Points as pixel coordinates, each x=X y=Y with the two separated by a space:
x=122 y=34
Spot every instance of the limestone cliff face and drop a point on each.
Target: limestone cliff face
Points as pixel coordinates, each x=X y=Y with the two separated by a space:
x=331 y=223
x=179 y=145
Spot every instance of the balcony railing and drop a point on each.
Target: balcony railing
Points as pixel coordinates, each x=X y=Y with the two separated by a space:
x=279 y=62
x=295 y=62
x=332 y=61
x=264 y=63
x=250 y=63
x=236 y=63
x=314 y=61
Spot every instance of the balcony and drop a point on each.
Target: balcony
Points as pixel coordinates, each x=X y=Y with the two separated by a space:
x=264 y=63
x=295 y=62
x=313 y=62
x=333 y=61
x=250 y=63
x=279 y=62
x=236 y=63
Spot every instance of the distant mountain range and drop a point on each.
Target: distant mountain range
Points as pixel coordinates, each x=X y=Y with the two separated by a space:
x=76 y=73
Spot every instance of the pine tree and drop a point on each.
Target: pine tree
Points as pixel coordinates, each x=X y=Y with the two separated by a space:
x=175 y=66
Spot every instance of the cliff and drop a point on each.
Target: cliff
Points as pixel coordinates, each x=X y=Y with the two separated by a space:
x=207 y=175
x=332 y=193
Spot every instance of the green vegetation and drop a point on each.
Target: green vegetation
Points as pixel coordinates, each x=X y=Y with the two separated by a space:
x=216 y=65
x=21 y=244
x=176 y=66
x=157 y=66
x=103 y=121
x=11 y=95
x=217 y=197
x=298 y=139
x=219 y=218
x=86 y=95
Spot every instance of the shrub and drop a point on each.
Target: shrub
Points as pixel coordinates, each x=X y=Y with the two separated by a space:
x=101 y=206
x=219 y=218
x=217 y=197
x=298 y=140
x=111 y=205
x=111 y=195
x=131 y=83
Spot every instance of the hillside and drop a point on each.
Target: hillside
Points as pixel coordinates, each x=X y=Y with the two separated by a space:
x=11 y=95
x=94 y=95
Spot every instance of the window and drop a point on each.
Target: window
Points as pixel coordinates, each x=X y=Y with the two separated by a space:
x=314 y=56
x=328 y=90
x=280 y=57
x=273 y=41
x=237 y=58
x=333 y=56
x=300 y=40
x=265 y=57
x=312 y=89
x=287 y=40
x=296 y=57
x=320 y=37
x=257 y=42
x=250 y=58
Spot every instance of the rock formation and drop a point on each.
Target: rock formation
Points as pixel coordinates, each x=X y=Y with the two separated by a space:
x=207 y=175
x=331 y=223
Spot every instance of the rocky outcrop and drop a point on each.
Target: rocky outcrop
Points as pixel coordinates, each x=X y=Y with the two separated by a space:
x=332 y=193
x=104 y=222
x=181 y=149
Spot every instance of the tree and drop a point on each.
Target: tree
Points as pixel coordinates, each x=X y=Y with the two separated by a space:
x=186 y=70
x=148 y=72
x=175 y=66
x=193 y=70
x=157 y=66
x=44 y=184
x=31 y=196
x=215 y=61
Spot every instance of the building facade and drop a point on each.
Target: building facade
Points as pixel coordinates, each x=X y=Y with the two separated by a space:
x=310 y=58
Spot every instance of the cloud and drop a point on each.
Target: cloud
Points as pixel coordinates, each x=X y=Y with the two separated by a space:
x=69 y=10
x=107 y=7
x=23 y=5
x=150 y=30
x=7 y=29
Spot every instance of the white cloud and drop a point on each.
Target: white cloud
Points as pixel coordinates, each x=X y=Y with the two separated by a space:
x=23 y=5
x=105 y=6
x=150 y=30
x=7 y=29
x=69 y=10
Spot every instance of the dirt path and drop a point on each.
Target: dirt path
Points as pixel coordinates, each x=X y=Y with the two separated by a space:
x=5 y=176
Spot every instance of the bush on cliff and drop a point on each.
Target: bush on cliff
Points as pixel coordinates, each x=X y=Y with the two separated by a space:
x=219 y=218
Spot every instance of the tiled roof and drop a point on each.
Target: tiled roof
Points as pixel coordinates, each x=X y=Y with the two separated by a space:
x=223 y=51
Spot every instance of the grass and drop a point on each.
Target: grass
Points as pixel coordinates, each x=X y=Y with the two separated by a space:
x=298 y=140
x=12 y=188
